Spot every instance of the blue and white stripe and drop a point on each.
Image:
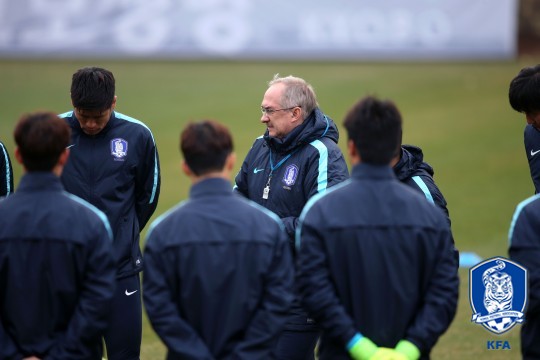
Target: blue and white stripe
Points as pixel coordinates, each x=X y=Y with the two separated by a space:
x=9 y=175
x=322 y=179
x=518 y=211
x=156 y=168
x=422 y=185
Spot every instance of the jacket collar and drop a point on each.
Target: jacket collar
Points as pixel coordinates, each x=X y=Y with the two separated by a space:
x=39 y=181
x=211 y=187
x=370 y=171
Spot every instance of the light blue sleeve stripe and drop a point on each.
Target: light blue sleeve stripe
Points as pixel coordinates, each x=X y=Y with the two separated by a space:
x=322 y=180
x=8 y=173
x=156 y=170
x=156 y=174
x=356 y=338
x=518 y=211
x=66 y=114
x=98 y=212
x=418 y=180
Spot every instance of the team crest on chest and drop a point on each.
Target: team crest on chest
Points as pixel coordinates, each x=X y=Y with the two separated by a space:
x=119 y=148
x=291 y=173
x=498 y=294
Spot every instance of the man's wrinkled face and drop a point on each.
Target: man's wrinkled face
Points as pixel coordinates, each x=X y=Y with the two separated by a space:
x=278 y=120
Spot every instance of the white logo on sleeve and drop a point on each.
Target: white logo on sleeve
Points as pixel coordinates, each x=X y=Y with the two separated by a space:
x=128 y=293
x=534 y=152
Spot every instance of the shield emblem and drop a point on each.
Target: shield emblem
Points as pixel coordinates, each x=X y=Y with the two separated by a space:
x=498 y=294
x=119 y=148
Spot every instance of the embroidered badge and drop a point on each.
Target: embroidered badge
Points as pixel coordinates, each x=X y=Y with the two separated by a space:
x=291 y=173
x=119 y=148
x=498 y=294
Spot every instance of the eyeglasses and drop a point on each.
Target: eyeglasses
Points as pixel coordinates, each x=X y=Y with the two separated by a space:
x=269 y=112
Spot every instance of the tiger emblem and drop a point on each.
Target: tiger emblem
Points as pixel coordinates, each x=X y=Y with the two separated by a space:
x=499 y=291
x=498 y=294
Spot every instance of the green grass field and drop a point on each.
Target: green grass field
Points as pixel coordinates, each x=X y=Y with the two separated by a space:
x=457 y=112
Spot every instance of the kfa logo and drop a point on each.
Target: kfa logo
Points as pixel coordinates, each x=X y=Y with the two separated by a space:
x=119 y=148
x=498 y=294
x=291 y=173
x=498 y=345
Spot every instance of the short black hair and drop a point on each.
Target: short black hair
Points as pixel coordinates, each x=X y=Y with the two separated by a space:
x=524 y=91
x=41 y=137
x=375 y=127
x=92 y=88
x=205 y=146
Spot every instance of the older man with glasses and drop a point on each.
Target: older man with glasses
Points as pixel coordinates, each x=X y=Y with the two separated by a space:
x=296 y=158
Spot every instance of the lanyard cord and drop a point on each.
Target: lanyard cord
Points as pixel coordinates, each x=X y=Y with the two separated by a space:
x=272 y=167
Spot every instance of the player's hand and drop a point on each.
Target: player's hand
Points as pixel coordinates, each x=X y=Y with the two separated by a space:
x=364 y=349
x=408 y=349
x=387 y=354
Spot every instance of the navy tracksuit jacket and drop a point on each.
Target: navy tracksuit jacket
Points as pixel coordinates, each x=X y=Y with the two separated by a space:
x=524 y=236
x=6 y=172
x=306 y=162
x=532 y=148
x=57 y=272
x=413 y=171
x=217 y=276
x=117 y=171
x=375 y=257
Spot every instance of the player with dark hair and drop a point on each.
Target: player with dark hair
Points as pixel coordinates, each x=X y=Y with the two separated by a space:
x=218 y=268
x=296 y=158
x=524 y=96
x=6 y=172
x=411 y=169
x=57 y=271
x=376 y=264
x=524 y=248
x=114 y=165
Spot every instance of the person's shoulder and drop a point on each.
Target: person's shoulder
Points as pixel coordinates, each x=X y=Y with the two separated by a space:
x=254 y=211
x=332 y=195
x=532 y=204
x=84 y=212
x=133 y=123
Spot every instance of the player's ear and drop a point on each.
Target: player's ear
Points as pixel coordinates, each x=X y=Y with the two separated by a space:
x=351 y=148
x=186 y=169
x=353 y=152
x=18 y=156
x=63 y=158
x=231 y=160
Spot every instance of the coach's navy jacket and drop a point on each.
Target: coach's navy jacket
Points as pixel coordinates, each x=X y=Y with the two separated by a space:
x=6 y=172
x=117 y=171
x=525 y=250
x=217 y=276
x=532 y=148
x=306 y=162
x=375 y=257
x=57 y=272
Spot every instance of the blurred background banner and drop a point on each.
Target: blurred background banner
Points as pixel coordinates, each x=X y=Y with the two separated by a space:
x=257 y=29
